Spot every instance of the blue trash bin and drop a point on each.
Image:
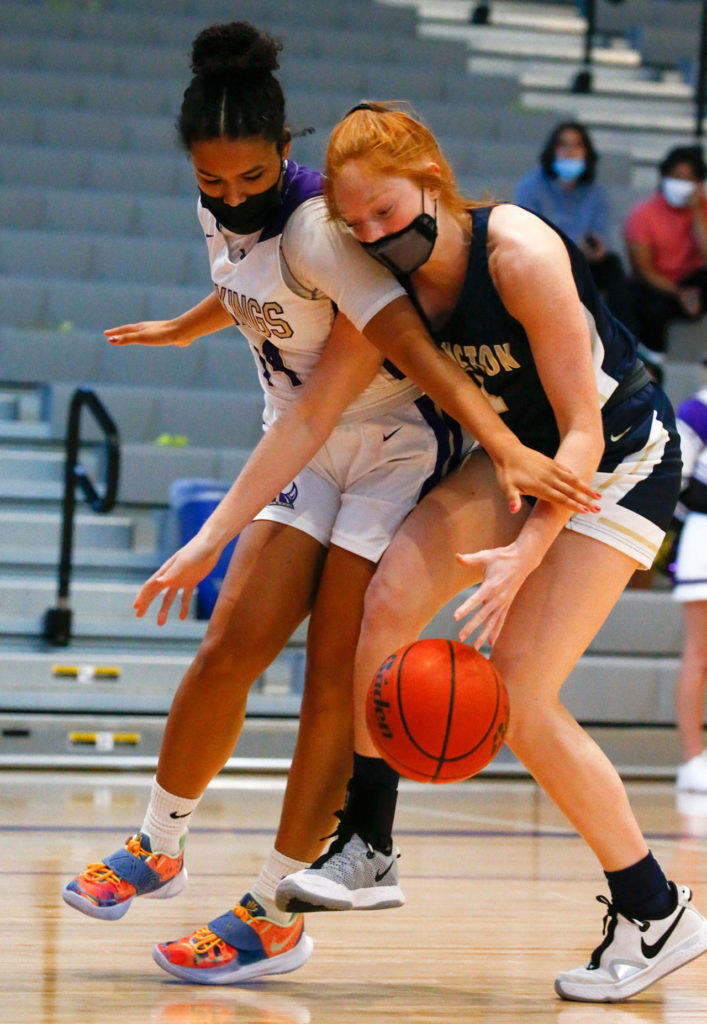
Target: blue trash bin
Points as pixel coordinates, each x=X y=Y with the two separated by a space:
x=194 y=501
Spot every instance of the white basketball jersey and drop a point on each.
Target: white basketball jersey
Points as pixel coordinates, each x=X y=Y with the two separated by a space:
x=283 y=284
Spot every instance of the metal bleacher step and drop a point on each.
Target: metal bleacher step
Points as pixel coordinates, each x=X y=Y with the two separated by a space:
x=90 y=679
x=112 y=742
x=43 y=529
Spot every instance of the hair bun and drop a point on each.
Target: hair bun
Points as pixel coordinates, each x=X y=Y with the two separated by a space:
x=236 y=49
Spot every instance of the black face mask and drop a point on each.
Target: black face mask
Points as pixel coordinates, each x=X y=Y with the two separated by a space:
x=406 y=250
x=249 y=216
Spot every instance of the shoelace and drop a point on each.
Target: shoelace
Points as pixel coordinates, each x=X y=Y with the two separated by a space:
x=609 y=923
x=341 y=835
x=102 y=873
x=204 y=939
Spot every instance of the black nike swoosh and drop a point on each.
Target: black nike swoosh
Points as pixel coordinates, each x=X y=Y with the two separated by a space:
x=652 y=951
x=382 y=874
x=175 y=815
x=386 y=437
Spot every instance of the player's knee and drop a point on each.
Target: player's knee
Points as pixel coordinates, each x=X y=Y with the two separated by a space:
x=218 y=661
x=387 y=604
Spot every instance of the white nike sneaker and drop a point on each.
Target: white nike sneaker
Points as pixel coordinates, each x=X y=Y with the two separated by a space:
x=634 y=954
x=351 y=875
x=692 y=775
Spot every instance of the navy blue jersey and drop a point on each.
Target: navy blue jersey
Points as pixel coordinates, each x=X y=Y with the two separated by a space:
x=493 y=348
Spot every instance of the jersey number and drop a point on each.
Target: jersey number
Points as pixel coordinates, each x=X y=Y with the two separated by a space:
x=271 y=360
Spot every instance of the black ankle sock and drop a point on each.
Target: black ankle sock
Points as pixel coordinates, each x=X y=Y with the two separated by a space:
x=375 y=770
x=369 y=810
x=641 y=891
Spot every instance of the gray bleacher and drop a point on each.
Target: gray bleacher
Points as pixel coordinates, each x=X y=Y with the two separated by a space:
x=98 y=227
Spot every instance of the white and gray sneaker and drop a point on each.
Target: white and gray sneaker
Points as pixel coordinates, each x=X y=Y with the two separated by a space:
x=692 y=775
x=635 y=954
x=351 y=875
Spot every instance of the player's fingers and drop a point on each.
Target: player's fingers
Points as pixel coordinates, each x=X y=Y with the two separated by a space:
x=472 y=625
x=512 y=496
x=185 y=602
x=123 y=334
x=146 y=595
x=498 y=623
x=574 y=488
x=167 y=603
x=483 y=635
x=574 y=500
x=467 y=607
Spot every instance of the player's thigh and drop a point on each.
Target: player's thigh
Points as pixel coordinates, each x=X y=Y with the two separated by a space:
x=557 y=613
x=269 y=586
x=465 y=512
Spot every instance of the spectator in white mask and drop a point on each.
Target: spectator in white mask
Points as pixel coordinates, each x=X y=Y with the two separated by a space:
x=666 y=237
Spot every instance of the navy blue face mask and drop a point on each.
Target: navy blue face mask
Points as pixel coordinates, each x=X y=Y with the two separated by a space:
x=406 y=250
x=249 y=216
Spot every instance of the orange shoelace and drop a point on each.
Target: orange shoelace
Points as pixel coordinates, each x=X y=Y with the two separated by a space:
x=204 y=939
x=102 y=873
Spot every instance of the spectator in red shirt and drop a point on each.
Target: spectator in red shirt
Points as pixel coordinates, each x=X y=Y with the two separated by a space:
x=666 y=237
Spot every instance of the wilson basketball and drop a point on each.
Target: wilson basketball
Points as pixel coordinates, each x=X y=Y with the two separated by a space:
x=437 y=711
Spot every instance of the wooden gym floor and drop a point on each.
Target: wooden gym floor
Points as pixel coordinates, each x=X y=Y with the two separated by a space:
x=500 y=897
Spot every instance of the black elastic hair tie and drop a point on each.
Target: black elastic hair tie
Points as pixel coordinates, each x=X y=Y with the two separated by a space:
x=360 y=106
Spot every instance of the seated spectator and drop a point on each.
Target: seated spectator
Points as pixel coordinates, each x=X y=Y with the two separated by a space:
x=562 y=188
x=666 y=237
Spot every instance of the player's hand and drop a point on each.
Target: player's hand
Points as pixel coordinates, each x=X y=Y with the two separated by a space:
x=147 y=332
x=182 y=571
x=526 y=471
x=504 y=571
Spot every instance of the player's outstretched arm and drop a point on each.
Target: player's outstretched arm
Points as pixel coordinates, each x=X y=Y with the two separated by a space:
x=347 y=366
x=529 y=260
x=206 y=317
x=398 y=332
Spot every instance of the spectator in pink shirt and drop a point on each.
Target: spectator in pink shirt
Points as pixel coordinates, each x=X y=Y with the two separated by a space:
x=666 y=237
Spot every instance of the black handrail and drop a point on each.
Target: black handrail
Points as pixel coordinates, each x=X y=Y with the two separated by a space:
x=701 y=75
x=57 y=621
x=582 y=82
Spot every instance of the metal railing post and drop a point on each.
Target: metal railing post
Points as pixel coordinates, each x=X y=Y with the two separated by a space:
x=583 y=79
x=701 y=75
x=57 y=620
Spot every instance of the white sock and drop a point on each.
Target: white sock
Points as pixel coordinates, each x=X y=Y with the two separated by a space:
x=276 y=866
x=166 y=819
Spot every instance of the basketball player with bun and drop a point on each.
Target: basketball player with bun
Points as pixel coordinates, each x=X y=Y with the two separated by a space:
x=281 y=269
x=512 y=301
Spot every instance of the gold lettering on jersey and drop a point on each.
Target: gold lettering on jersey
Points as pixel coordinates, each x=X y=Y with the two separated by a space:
x=505 y=358
x=247 y=312
x=272 y=311
x=484 y=362
x=488 y=362
x=255 y=315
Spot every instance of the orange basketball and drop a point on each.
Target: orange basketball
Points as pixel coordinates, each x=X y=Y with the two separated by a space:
x=437 y=711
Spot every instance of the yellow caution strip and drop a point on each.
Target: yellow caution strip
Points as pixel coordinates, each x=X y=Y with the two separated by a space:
x=86 y=672
x=104 y=740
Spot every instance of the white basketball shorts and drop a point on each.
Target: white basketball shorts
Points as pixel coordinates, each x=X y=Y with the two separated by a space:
x=691 y=565
x=370 y=473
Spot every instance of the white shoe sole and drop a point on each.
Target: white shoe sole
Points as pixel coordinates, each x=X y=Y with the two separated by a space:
x=283 y=963
x=114 y=913
x=323 y=894
x=572 y=988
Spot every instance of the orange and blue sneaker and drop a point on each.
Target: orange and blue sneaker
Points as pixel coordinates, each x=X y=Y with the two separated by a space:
x=106 y=890
x=241 y=945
